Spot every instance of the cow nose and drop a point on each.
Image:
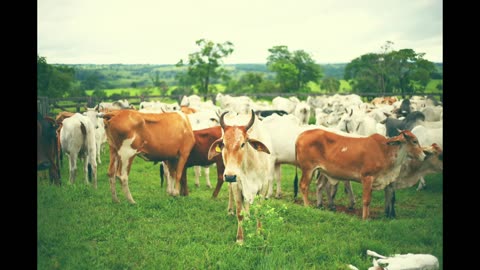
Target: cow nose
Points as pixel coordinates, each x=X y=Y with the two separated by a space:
x=230 y=178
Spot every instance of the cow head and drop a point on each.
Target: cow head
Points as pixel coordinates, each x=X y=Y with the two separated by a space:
x=434 y=157
x=410 y=141
x=234 y=146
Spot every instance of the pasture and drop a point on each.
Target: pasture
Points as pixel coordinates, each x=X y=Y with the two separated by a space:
x=81 y=228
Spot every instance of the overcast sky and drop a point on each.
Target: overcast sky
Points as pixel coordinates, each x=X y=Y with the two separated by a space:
x=163 y=32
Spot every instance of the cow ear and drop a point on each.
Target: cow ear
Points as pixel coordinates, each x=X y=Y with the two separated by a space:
x=215 y=149
x=259 y=146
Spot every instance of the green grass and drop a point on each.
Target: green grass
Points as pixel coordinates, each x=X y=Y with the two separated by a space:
x=81 y=228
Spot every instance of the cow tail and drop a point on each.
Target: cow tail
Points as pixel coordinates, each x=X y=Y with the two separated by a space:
x=162 y=173
x=295 y=180
x=295 y=185
x=57 y=150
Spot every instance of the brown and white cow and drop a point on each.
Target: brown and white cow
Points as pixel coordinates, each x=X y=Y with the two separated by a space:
x=154 y=137
x=374 y=161
x=410 y=172
x=47 y=153
x=248 y=165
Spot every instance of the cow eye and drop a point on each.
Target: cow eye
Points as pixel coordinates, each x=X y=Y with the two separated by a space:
x=242 y=145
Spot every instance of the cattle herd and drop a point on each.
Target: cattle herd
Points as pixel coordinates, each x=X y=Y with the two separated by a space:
x=386 y=144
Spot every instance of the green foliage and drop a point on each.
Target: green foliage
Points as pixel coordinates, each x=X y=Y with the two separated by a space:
x=271 y=221
x=330 y=84
x=390 y=72
x=248 y=83
x=99 y=94
x=204 y=67
x=53 y=81
x=293 y=69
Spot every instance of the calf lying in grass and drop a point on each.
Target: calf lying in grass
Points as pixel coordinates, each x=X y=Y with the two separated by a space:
x=402 y=262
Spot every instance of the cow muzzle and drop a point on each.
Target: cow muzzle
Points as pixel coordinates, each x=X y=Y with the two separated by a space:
x=230 y=178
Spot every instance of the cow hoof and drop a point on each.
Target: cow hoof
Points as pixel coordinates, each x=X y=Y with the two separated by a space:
x=239 y=242
x=278 y=196
x=209 y=186
x=333 y=208
x=197 y=185
x=116 y=200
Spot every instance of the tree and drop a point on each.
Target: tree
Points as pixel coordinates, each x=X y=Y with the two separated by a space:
x=53 y=81
x=294 y=70
x=390 y=71
x=205 y=66
x=330 y=84
x=155 y=78
x=248 y=83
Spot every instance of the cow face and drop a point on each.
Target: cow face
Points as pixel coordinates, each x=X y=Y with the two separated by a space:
x=234 y=146
x=434 y=157
x=413 y=148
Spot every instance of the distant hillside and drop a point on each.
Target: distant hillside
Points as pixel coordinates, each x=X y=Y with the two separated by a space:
x=141 y=75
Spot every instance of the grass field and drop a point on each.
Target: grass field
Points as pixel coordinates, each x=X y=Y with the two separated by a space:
x=79 y=227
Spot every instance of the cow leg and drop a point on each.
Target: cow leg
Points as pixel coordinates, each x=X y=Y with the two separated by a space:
x=220 y=171
x=349 y=190
x=389 y=201
x=182 y=160
x=237 y=194
x=230 y=200
x=331 y=189
x=93 y=164
x=321 y=183
x=98 y=153
x=198 y=173
x=125 y=164
x=278 y=176
x=73 y=166
x=112 y=171
x=421 y=184
x=85 y=168
x=367 y=183
x=207 y=177
x=304 y=184
x=168 y=175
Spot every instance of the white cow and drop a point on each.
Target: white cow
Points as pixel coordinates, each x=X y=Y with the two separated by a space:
x=427 y=136
x=302 y=112
x=77 y=139
x=245 y=151
x=283 y=131
x=408 y=261
x=100 y=136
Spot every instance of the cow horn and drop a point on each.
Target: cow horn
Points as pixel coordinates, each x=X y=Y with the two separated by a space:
x=250 y=123
x=222 y=123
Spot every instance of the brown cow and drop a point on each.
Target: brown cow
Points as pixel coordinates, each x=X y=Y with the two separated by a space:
x=199 y=155
x=374 y=161
x=154 y=137
x=411 y=171
x=47 y=154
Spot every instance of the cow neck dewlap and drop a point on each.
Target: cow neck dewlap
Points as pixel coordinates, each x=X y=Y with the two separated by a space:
x=390 y=175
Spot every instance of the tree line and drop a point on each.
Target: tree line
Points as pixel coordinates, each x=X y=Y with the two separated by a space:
x=388 y=72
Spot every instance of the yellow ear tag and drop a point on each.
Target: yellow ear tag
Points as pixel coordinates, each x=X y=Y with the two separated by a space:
x=217 y=149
